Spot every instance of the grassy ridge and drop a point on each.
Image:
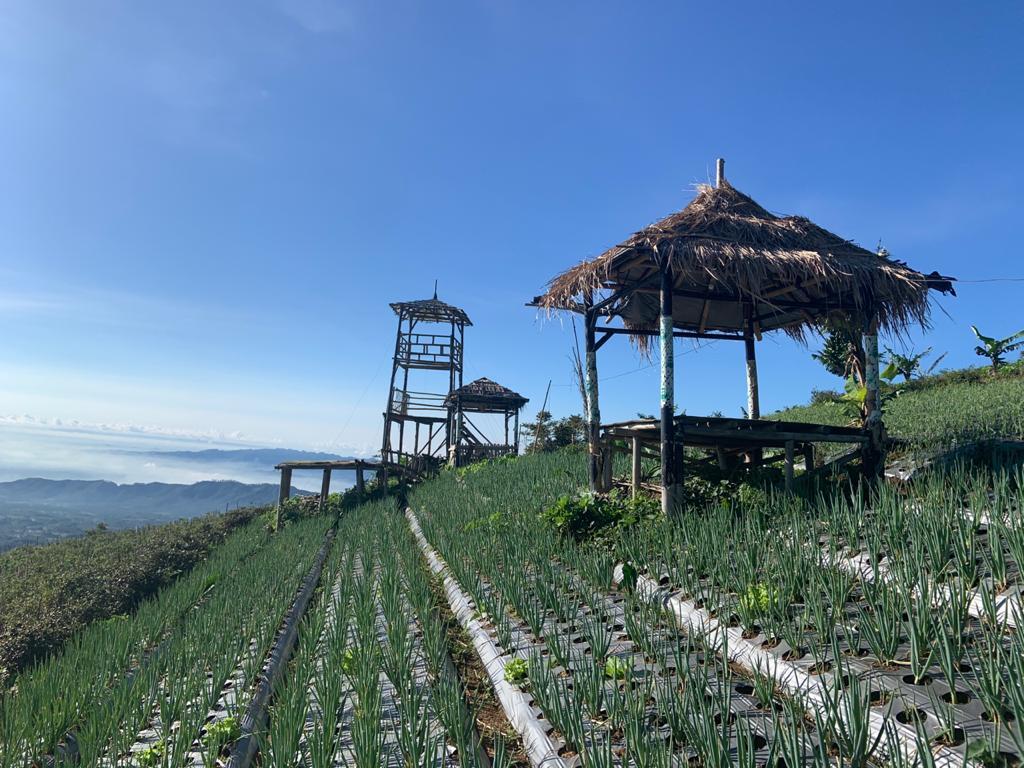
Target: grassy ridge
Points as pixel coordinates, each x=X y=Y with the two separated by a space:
x=50 y=592
x=941 y=410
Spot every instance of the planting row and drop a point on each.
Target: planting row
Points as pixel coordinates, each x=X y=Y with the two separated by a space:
x=371 y=682
x=144 y=690
x=894 y=668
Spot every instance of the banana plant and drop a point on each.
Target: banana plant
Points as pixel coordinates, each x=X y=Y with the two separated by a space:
x=997 y=349
x=854 y=400
x=910 y=365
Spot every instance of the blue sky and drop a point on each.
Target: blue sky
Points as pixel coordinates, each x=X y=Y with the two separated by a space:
x=205 y=208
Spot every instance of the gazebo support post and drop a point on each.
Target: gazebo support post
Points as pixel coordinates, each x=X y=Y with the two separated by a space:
x=753 y=401
x=282 y=496
x=325 y=490
x=872 y=459
x=360 y=480
x=790 y=455
x=606 y=467
x=593 y=407
x=668 y=446
x=634 y=484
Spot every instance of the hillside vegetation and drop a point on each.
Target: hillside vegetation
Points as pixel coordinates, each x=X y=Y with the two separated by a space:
x=938 y=411
x=50 y=592
x=765 y=630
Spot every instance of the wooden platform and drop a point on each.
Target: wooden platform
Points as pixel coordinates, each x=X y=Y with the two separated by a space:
x=729 y=440
x=355 y=464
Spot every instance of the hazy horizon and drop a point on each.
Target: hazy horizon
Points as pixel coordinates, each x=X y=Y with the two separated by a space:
x=64 y=452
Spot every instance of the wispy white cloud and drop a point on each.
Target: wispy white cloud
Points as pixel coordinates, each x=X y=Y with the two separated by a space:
x=124 y=428
x=318 y=16
x=24 y=296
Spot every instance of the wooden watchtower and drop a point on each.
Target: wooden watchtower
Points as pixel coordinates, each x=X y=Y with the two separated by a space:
x=427 y=366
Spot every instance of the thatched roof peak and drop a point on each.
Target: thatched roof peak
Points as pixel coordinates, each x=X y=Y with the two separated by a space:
x=431 y=311
x=730 y=256
x=483 y=391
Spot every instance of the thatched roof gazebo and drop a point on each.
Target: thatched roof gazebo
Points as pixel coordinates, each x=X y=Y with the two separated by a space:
x=726 y=268
x=483 y=396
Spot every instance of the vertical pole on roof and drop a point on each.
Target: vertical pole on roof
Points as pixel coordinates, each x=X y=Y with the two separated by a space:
x=719 y=171
x=668 y=446
x=873 y=425
x=593 y=406
x=325 y=489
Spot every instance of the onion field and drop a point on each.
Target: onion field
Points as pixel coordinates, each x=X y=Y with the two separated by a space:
x=827 y=632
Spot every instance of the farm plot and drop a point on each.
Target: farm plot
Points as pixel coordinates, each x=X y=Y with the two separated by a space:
x=144 y=690
x=371 y=682
x=893 y=669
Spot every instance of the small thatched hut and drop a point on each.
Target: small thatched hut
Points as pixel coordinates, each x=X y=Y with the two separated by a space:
x=726 y=268
x=483 y=396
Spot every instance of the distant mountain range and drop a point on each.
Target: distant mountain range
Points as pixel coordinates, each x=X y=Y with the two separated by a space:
x=258 y=457
x=35 y=510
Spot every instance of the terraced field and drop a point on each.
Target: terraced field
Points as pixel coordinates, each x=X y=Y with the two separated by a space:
x=457 y=630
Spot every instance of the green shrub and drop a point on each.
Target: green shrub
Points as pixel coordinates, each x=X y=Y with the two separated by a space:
x=515 y=671
x=586 y=513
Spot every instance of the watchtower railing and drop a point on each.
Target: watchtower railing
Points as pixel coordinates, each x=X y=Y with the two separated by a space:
x=429 y=350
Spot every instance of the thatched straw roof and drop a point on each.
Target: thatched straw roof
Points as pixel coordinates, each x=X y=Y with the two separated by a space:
x=431 y=311
x=484 y=394
x=727 y=251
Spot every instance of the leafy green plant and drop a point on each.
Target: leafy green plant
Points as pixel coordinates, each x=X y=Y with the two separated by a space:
x=152 y=756
x=222 y=732
x=516 y=671
x=910 y=365
x=616 y=668
x=997 y=349
x=583 y=514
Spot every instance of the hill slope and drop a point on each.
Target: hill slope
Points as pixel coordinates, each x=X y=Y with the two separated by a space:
x=37 y=510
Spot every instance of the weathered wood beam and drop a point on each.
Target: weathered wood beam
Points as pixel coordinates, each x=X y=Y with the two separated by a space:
x=325 y=489
x=675 y=333
x=636 y=468
x=789 y=465
x=283 y=494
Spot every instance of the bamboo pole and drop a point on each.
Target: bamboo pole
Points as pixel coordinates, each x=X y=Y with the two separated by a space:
x=593 y=405
x=753 y=399
x=872 y=401
x=789 y=464
x=668 y=447
x=635 y=475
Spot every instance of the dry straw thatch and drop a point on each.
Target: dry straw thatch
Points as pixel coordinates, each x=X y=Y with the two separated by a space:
x=487 y=395
x=726 y=251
